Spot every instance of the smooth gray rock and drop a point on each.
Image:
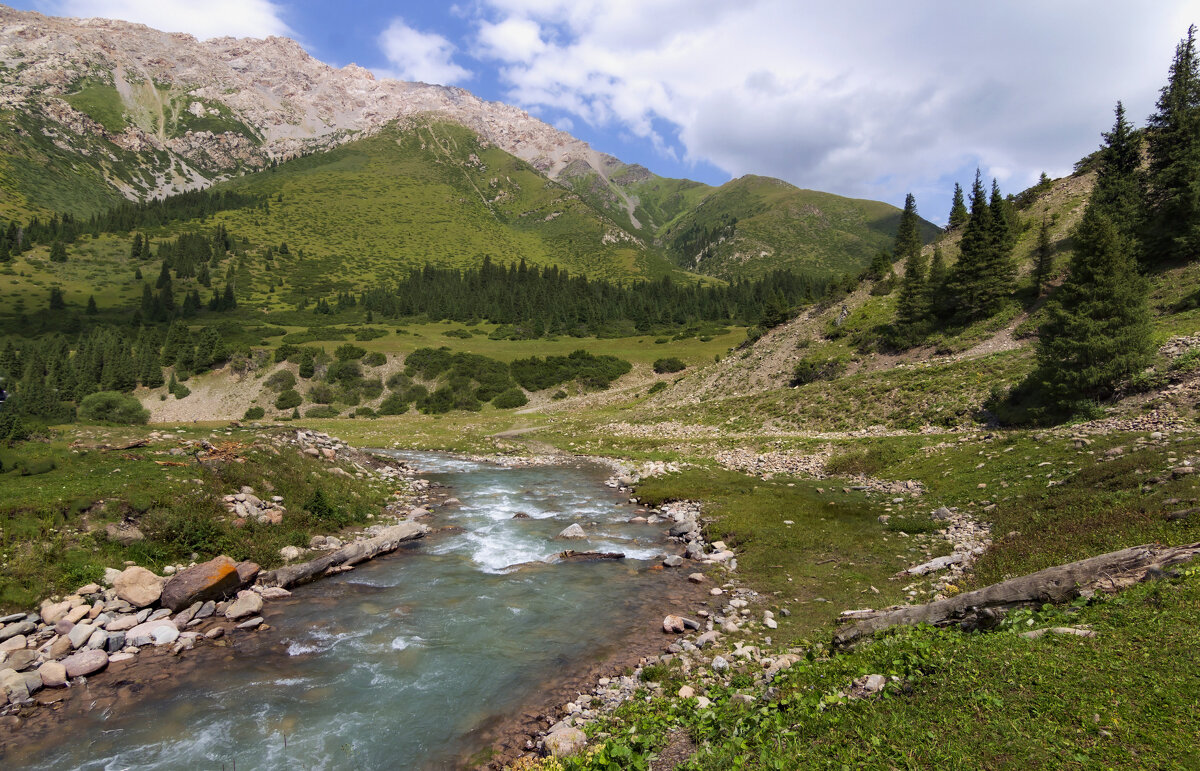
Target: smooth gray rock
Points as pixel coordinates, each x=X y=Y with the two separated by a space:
x=98 y=640
x=116 y=641
x=21 y=660
x=79 y=634
x=85 y=663
x=15 y=628
x=673 y=561
x=572 y=532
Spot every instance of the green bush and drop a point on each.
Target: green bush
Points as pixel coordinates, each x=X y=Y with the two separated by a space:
x=369 y=333
x=321 y=393
x=659 y=386
x=812 y=370
x=510 y=399
x=288 y=399
x=374 y=359
x=283 y=380
x=559 y=395
x=322 y=411
x=254 y=413
x=461 y=334
x=113 y=407
x=29 y=468
x=365 y=412
x=394 y=404
x=595 y=372
x=668 y=365
x=349 y=352
x=307 y=368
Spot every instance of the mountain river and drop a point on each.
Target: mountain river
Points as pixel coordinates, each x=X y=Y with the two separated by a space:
x=406 y=661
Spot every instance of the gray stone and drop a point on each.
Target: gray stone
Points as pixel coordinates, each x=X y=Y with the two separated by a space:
x=138 y=586
x=251 y=623
x=719 y=663
x=16 y=628
x=206 y=610
x=564 y=741
x=79 y=634
x=124 y=533
x=121 y=623
x=85 y=663
x=116 y=641
x=572 y=532
x=11 y=618
x=696 y=578
x=707 y=638
x=160 y=632
x=14 y=643
x=290 y=553
x=53 y=674
x=673 y=625
x=21 y=660
x=673 y=561
x=99 y=639
x=247 y=604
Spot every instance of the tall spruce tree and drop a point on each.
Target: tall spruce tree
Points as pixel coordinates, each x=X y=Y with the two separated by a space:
x=958 y=209
x=912 y=306
x=1120 y=187
x=984 y=275
x=1173 y=139
x=1043 y=258
x=1097 y=329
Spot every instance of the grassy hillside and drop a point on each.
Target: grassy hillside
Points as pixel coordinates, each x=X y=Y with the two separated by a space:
x=429 y=193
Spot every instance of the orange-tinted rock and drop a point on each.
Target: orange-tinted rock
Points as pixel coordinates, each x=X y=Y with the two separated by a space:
x=213 y=580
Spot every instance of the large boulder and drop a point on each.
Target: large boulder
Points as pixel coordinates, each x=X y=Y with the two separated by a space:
x=138 y=586
x=160 y=632
x=564 y=741
x=247 y=604
x=123 y=533
x=248 y=571
x=85 y=662
x=53 y=673
x=213 y=580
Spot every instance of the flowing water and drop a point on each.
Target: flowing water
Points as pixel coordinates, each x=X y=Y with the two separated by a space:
x=403 y=661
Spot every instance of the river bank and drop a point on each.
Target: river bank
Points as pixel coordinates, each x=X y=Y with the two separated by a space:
x=122 y=696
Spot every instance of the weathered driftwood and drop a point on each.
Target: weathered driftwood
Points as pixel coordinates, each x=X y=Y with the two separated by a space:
x=984 y=607
x=570 y=555
x=388 y=540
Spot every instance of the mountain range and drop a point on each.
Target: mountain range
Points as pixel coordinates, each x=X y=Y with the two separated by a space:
x=95 y=111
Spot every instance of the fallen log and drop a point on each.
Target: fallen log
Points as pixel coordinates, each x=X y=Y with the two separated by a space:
x=360 y=551
x=985 y=607
x=570 y=555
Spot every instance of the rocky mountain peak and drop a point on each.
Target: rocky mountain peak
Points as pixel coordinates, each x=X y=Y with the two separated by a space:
x=250 y=100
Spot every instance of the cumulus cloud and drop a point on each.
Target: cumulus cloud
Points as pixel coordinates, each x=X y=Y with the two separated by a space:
x=871 y=98
x=208 y=19
x=417 y=55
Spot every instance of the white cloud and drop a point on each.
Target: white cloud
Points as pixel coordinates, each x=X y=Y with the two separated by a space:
x=207 y=19
x=512 y=40
x=870 y=98
x=416 y=55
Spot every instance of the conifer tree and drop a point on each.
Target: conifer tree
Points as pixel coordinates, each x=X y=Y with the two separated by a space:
x=1097 y=329
x=58 y=252
x=1173 y=141
x=1120 y=188
x=984 y=274
x=57 y=301
x=1043 y=258
x=92 y=310
x=912 y=305
x=958 y=209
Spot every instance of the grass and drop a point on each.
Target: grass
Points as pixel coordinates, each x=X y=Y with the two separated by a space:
x=52 y=524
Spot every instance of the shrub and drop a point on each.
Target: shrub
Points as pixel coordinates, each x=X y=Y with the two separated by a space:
x=394 y=404
x=254 y=413
x=288 y=399
x=349 y=352
x=113 y=407
x=28 y=468
x=282 y=380
x=365 y=412
x=559 y=395
x=461 y=334
x=307 y=368
x=659 y=386
x=595 y=372
x=344 y=372
x=812 y=370
x=369 y=333
x=509 y=399
x=399 y=381
x=374 y=359
x=321 y=393
x=323 y=411
x=668 y=365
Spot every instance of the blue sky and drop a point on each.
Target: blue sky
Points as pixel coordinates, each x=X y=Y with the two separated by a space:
x=869 y=99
